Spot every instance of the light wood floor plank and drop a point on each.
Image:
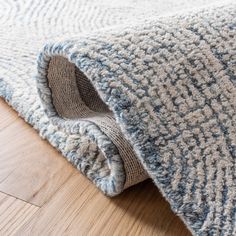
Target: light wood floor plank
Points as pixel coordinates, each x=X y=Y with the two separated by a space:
x=30 y=168
x=6 y=118
x=80 y=209
x=13 y=214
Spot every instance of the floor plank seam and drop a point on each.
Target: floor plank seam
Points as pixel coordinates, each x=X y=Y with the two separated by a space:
x=10 y=195
x=62 y=185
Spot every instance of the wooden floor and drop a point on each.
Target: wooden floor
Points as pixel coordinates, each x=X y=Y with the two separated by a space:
x=42 y=194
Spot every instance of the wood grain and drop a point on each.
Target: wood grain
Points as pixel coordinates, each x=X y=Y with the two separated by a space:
x=13 y=214
x=6 y=117
x=79 y=209
x=69 y=204
x=30 y=168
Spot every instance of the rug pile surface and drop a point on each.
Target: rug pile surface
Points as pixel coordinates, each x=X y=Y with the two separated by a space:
x=130 y=90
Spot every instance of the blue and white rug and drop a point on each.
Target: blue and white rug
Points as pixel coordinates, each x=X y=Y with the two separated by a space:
x=129 y=90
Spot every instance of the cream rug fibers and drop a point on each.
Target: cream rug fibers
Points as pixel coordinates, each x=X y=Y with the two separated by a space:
x=130 y=90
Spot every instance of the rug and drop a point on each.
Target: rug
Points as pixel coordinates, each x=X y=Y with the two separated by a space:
x=130 y=90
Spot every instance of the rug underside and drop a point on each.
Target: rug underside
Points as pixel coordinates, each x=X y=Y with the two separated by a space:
x=132 y=90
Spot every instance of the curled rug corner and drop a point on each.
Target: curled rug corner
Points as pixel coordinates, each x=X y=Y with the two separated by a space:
x=153 y=99
x=72 y=103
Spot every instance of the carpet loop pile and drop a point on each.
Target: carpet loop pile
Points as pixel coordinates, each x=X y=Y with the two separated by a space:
x=132 y=90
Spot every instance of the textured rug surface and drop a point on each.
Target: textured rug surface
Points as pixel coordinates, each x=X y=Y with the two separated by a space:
x=130 y=90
